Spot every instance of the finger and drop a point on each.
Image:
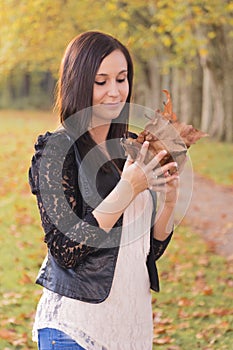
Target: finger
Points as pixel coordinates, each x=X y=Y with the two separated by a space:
x=142 y=154
x=164 y=170
x=163 y=180
x=128 y=162
x=155 y=161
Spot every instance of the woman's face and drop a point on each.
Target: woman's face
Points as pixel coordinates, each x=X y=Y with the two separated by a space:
x=111 y=88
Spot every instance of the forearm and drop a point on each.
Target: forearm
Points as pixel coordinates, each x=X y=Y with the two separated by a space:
x=164 y=221
x=113 y=206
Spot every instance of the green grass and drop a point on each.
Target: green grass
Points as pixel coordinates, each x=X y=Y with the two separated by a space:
x=213 y=160
x=21 y=239
x=194 y=308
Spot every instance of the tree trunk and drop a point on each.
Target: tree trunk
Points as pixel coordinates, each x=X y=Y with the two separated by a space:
x=26 y=85
x=228 y=93
x=217 y=125
x=175 y=90
x=155 y=83
x=206 y=115
x=148 y=91
x=228 y=86
x=185 y=96
x=196 y=95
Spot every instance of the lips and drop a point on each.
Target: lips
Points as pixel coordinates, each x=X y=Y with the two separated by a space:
x=113 y=105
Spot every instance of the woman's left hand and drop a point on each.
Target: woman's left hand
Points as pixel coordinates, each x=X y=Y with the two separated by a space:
x=169 y=190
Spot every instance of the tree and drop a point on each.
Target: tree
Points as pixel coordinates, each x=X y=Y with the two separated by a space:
x=184 y=46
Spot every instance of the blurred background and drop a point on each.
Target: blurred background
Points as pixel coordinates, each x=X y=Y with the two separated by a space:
x=185 y=46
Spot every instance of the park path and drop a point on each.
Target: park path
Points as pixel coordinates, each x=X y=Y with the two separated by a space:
x=210 y=213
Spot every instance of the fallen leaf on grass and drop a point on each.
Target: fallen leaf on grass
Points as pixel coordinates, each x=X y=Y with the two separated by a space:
x=7 y=334
x=25 y=279
x=207 y=290
x=184 y=325
x=162 y=341
x=221 y=312
x=154 y=301
x=182 y=314
x=159 y=330
x=216 y=312
x=10 y=298
x=22 y=340
x=211 y=246
x=11 y=320
x=185 y=302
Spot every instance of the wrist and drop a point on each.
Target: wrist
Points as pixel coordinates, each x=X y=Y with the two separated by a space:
x=168 y=199
x=125 y=192
x=170 y=204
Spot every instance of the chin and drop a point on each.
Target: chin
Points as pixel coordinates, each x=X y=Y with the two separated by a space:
x=107 y=112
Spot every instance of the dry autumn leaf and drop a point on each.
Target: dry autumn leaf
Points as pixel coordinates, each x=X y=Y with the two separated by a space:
x=164 y=131
x=162 y=341
x=7 y=334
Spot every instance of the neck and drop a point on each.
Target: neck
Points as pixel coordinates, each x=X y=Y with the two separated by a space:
x=99 y=133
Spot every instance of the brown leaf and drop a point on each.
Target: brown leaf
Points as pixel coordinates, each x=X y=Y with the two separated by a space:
x=207 y=290
x=159 y=330
x=162 y=341
x=185 y=302
x=168 y=108
x=23 y=339
x=221 y=312
x=25 y=279
x=164 y=131
x=7 y=334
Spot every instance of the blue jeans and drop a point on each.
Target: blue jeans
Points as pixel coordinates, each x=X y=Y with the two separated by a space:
x=53 y=339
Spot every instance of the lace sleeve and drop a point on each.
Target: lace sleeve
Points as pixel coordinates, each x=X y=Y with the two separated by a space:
x=54 y=181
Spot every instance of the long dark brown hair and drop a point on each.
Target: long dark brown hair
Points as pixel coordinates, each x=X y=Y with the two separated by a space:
x=79 y=66
x=81 y=61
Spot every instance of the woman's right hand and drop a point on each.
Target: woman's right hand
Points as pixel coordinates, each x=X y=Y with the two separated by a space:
x=141 y=176
x=135 y=178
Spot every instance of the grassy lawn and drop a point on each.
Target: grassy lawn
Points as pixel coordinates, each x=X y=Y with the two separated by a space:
x=194 y=309
x=213 y=160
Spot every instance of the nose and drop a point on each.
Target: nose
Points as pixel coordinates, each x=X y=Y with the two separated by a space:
x=113 y=90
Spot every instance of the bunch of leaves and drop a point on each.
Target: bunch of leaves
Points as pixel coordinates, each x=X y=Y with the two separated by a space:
x=164 y=131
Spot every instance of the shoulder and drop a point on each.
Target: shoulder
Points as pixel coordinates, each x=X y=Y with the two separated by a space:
x=53 y=143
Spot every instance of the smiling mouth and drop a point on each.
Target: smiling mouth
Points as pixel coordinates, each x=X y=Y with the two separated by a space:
x=113 y=105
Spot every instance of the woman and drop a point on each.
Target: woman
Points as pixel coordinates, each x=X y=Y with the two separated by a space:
x=98 y=209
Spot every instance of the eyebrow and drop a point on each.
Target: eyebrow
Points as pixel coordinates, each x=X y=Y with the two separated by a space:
x=104 y=74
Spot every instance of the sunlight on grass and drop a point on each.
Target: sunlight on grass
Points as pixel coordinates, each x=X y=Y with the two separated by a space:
x=213 y=160
x=194 y=308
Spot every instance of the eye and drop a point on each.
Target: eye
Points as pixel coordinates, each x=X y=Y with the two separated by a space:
x=121 y=80
x=100 y=82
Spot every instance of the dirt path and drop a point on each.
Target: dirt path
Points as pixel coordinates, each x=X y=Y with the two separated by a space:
x=211 y=214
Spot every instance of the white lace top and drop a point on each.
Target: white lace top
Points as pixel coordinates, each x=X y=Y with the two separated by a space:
x=124 y=320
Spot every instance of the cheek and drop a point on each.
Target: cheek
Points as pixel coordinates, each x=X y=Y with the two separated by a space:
x=125 y=91
x=97 y=95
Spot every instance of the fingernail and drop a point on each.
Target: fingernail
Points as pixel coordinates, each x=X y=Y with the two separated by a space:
x=164 y=151
x=146 y=143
